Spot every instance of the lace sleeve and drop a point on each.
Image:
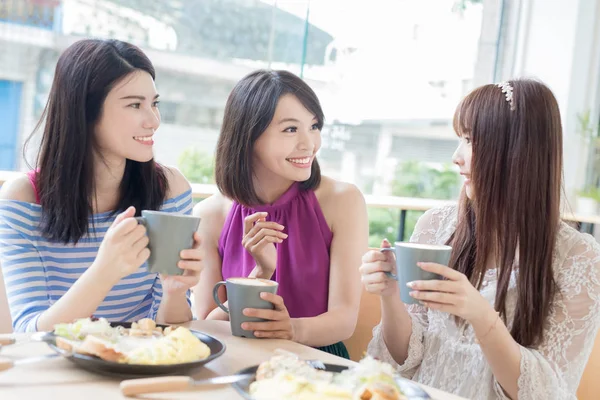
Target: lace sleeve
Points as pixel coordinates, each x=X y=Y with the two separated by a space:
x=553 y=371
x=429 y=229
x=378 y=349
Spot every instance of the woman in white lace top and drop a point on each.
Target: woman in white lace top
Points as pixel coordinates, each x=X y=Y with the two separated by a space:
x=519 y=309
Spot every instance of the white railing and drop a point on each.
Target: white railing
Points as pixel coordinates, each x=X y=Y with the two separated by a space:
x=404 y=204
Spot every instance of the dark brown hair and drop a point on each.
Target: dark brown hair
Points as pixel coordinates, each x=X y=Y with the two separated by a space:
x=516 y=170
x=249 y=111
x=85 y=73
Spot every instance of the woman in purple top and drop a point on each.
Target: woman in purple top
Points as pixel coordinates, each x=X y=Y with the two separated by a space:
x=276 y=217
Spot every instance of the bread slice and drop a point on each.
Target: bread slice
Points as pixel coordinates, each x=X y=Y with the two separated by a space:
x=100 y=348
x=379 y=391
x=67 y=345
x=91 y=346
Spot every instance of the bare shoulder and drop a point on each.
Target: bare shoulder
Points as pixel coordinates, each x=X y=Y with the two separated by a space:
x=214 y=206
x=178 y=184
x=18 y=189
x=332 y=191
x=212 y=212
x=338 y=200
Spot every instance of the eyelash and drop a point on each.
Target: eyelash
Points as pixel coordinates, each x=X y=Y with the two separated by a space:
x=314 y=127
x=137 y=105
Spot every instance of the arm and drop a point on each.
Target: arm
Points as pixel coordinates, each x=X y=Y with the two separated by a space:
x=212 y=212
x=350 y=238
x=24 y=273
x=25 y=278
x=399 y=338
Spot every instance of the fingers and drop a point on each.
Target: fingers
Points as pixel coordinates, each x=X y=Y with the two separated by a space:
x=138 y=232
x=374 y=267
x=142 y=257
x=262 y=243
x=373 y=256
x=265 y=326
x=273 y=334
x=267 y=225
x=275 y=299
x=197 y=240
x=140 y=244
x=271 y=315
x=191 y=254
x=129 y=213
x=374 y=278
x=127 y=226
x=251 y=219
x=192 y=267
x=389 y=255
x=251 y=239
x=442 y=270
x=434 y=297
x=435 y=286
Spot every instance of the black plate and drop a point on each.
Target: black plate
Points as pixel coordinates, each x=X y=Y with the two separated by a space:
x=410 y=389
x=110 y=368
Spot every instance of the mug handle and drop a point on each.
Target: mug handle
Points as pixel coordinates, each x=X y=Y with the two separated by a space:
x=389 y=274
x=141 y=221
x=216 y=296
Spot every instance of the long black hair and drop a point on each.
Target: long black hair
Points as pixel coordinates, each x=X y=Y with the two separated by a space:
x=85 y=74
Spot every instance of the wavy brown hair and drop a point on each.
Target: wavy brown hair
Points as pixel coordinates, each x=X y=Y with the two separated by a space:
x=516 y=170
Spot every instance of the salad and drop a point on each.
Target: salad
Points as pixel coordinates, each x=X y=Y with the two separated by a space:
x=144 y=343
x=286 y=376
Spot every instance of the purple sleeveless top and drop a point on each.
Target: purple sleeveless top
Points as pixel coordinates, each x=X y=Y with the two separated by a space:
x=302 y=259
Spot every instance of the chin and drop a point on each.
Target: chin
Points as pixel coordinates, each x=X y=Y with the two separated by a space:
x=141 y=158
x=469 y=193
x=301 y=177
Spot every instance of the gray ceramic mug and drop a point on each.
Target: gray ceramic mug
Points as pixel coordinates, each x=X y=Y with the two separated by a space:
x=407 y=256
x=169 y=234
x=244 y=293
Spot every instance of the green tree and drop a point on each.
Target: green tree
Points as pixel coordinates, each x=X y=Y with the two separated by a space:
x=197 y=166
x=412 y=179
x=421 y=180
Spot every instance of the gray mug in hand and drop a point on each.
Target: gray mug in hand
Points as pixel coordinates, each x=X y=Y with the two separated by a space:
x=244 y=293
x=168 y=234
x=407 y=256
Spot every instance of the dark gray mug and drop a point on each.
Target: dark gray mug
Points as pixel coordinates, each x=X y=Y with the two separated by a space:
x=407 y=256
x=169 y=234
x=244 y=293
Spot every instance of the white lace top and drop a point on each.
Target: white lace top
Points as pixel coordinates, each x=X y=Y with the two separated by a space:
x=443 y=356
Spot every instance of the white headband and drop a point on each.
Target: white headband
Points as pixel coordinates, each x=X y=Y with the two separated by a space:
x=507 y=89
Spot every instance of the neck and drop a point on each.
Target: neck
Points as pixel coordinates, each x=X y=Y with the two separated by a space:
x=270 y=187
x=108 y=174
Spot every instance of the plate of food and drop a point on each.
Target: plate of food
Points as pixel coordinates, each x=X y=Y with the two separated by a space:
x=285 y=376
x=136 y=349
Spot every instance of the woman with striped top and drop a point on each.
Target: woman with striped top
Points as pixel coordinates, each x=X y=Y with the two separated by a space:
x=69 y=245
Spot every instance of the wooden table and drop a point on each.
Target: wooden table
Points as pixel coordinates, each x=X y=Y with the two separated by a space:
x=60 y=379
